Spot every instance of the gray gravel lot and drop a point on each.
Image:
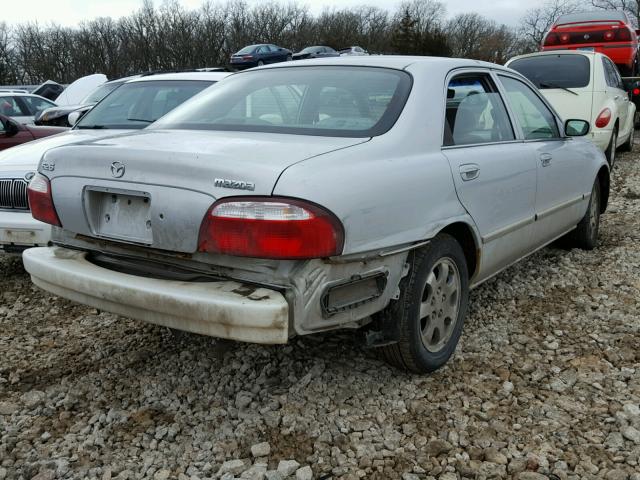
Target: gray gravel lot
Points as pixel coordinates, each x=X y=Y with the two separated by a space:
x=545 y=384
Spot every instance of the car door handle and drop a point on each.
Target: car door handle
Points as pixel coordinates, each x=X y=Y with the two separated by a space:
x=546 y=158
x=469 y=171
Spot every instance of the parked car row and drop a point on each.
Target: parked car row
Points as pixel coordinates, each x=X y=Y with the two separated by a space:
x=264 y=54
x=183 y=224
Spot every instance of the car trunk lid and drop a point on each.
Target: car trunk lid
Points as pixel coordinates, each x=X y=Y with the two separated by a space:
x=153 y=188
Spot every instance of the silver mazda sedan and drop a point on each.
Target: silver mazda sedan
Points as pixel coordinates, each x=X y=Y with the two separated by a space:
x=359 y=192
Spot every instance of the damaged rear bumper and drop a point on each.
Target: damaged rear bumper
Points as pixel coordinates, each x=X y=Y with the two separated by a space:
x=223 y=309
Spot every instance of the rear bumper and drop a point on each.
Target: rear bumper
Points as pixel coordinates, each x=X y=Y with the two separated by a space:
x=224 y=309
x=20 y=229
x=600 y=138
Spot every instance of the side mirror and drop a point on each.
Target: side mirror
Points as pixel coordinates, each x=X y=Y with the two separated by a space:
x=73 y=118
x=9 y=127
x=576 y=128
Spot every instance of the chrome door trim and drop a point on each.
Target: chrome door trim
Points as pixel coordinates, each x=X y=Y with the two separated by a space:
x=557 y=208
x=508 y=229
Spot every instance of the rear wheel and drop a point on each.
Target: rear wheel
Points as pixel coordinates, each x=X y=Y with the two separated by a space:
x=610 y=152
x=585 y=235
x=289 y=58
x=260 y=63
x=431 y=308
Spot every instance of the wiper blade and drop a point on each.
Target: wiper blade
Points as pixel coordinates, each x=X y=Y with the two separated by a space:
x=146 y=120
x=554 y=85
x=90 y=127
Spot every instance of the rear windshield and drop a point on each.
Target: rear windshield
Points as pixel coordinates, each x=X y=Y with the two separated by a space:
x=328 y=101
x=246 y=50
x=137 y=104
x=555 y=71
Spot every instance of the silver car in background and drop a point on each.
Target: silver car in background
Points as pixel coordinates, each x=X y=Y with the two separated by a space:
x=305 y=197
x=130 y=107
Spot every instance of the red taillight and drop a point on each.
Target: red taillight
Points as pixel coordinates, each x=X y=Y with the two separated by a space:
x=270 y=227
x=636 y=91
x=623 y=35
x=247 y=57
x=608 y=35
x=565 y=37
x=551 y=39
x=604 y=118
x=41 y=200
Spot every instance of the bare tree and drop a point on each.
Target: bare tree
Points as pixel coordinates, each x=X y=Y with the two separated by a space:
x=632 y=7
x=537 y=21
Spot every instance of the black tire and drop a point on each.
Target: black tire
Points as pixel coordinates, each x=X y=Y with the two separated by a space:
x=636 y=119
x=585 y=236
x=610 y=152
x=289 y=58
x=260 y=63
x=410 y=352
x=628 y=145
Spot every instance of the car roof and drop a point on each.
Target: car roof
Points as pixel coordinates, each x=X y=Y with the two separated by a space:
x=584 y=53
x=599 y=16
x=20 y=94
x=398 y=62
x=201 y=76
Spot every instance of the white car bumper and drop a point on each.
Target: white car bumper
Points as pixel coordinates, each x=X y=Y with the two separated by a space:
x=224 y=309
x=20 y=229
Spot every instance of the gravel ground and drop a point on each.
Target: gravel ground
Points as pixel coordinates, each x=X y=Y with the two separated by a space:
x=545 y=384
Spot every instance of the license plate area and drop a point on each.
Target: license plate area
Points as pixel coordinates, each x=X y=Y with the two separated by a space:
x=119 y=214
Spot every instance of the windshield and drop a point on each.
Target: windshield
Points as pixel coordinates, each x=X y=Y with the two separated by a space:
x=137 y=104
x=311 y=49
x=100 y=92
x=555 y=71
x=329 y=101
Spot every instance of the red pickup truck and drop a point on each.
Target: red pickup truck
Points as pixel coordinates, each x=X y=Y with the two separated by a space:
x=13 y=133
x=608 y=32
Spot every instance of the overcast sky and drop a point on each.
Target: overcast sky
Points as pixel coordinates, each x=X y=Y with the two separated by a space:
x=71 y=12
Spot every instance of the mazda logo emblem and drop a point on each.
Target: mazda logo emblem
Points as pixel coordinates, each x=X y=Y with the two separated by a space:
x=117 y=169
x=587 y=36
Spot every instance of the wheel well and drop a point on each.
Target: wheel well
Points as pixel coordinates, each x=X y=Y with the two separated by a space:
x=464 y=235
x=603 y=180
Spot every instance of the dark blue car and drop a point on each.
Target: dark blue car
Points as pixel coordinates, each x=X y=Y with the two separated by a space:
x=256 y=55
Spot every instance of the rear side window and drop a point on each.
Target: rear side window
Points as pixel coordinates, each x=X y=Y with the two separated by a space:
x=36 y=104
x=555 y=71
x=611 y=74
x=536 y=120
x=475 y=112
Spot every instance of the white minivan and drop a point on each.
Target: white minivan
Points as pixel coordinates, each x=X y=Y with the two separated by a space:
x=585 y=85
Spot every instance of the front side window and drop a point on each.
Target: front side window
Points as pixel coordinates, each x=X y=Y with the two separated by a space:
x=475 y=112
x=565 y=70
x=611 y=74
x=10 y=107
x=535 y=118
x=137 y=104
x=37 y=104
x=328 y=101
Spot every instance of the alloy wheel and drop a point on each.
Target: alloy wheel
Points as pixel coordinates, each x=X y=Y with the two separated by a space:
x=440 y=304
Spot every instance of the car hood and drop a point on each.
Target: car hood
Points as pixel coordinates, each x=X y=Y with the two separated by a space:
x=27 y=155
x=79 y=89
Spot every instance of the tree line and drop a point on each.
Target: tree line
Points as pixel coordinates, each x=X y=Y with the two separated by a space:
x=171 y=37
